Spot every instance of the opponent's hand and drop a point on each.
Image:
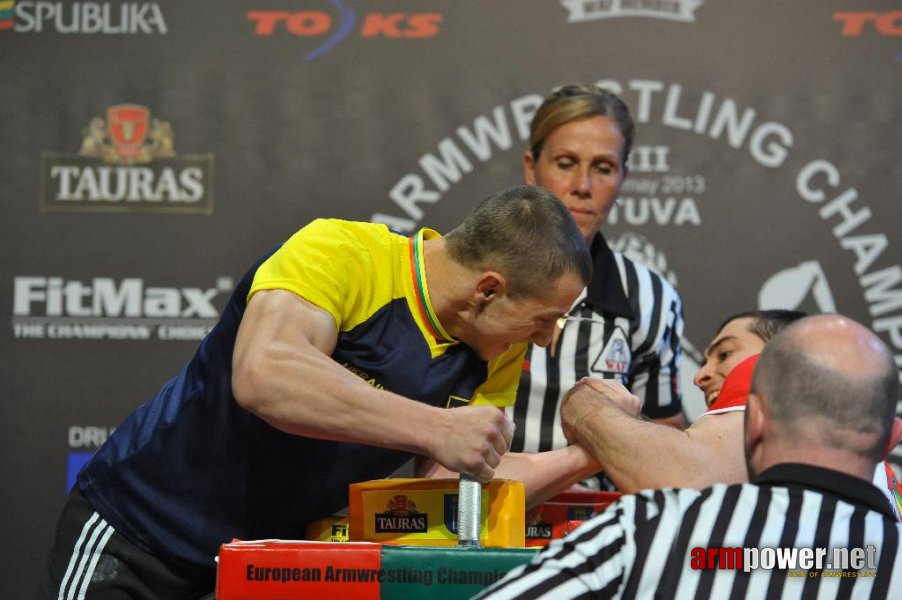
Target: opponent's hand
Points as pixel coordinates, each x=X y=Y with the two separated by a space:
x=588 y=397
x=617 y=393
x=475 y=438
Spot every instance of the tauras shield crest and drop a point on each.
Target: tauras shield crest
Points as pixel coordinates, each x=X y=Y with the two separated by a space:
x=128 y=124
x=400 y=505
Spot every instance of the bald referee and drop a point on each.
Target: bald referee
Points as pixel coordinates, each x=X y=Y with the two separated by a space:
x=819 y=416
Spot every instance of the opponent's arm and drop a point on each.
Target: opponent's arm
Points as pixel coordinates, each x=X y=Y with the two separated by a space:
x=544 y=474
x=282 y=372
x=677 y=421
x=638 y=454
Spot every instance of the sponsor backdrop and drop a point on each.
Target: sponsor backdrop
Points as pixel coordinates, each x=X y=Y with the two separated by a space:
x=153 y=149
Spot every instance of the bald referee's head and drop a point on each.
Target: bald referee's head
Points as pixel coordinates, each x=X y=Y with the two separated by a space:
x=824 y=392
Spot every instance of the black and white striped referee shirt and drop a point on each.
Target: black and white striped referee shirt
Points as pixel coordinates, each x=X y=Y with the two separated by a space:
x=658 y=544
x=626 y=325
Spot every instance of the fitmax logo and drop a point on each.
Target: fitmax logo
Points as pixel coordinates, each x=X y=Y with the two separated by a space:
x=318 y=23
x=103 y=297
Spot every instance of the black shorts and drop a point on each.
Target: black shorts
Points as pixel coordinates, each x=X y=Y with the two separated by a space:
x=89 y=559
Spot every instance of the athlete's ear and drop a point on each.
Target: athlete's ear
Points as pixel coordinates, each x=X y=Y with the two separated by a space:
x=489 y=286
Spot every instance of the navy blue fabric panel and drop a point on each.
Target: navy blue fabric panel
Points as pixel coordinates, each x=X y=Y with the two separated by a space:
x=189 y=442
x=389 y=351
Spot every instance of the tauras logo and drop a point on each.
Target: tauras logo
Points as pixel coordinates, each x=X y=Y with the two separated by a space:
x=401 y=516
x=104 y=18
x=591 y=10
x=538 y=531
x=414 y=523
x=54 y=307
x=127 y=162
x=537 y=528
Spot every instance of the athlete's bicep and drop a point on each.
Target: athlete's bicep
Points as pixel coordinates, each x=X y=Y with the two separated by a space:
x=277 y=325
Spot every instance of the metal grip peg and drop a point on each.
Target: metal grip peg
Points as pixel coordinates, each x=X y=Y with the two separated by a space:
x=469 y=512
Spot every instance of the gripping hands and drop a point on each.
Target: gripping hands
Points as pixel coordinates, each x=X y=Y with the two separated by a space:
x=473 y=440
x=587 y=398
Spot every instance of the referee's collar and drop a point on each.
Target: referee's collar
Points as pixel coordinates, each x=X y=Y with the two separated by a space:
x=605 y=289
x=851 y=489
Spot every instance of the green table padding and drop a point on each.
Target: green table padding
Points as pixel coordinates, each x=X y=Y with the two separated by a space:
x=446 y=573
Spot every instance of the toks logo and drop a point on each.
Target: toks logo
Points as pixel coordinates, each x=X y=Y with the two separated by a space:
x=335 y=28
x=127 y=163
x=854 y=23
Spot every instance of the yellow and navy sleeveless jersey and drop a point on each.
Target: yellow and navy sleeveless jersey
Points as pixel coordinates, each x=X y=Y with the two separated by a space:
x=191 y=469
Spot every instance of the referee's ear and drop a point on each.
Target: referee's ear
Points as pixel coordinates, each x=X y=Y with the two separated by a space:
x=754 y=422
x=895 y=436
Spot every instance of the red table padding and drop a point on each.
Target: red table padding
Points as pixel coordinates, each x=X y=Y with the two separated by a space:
x=276 y=569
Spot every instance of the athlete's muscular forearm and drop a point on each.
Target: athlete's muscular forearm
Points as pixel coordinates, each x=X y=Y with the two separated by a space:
x=284 y=374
